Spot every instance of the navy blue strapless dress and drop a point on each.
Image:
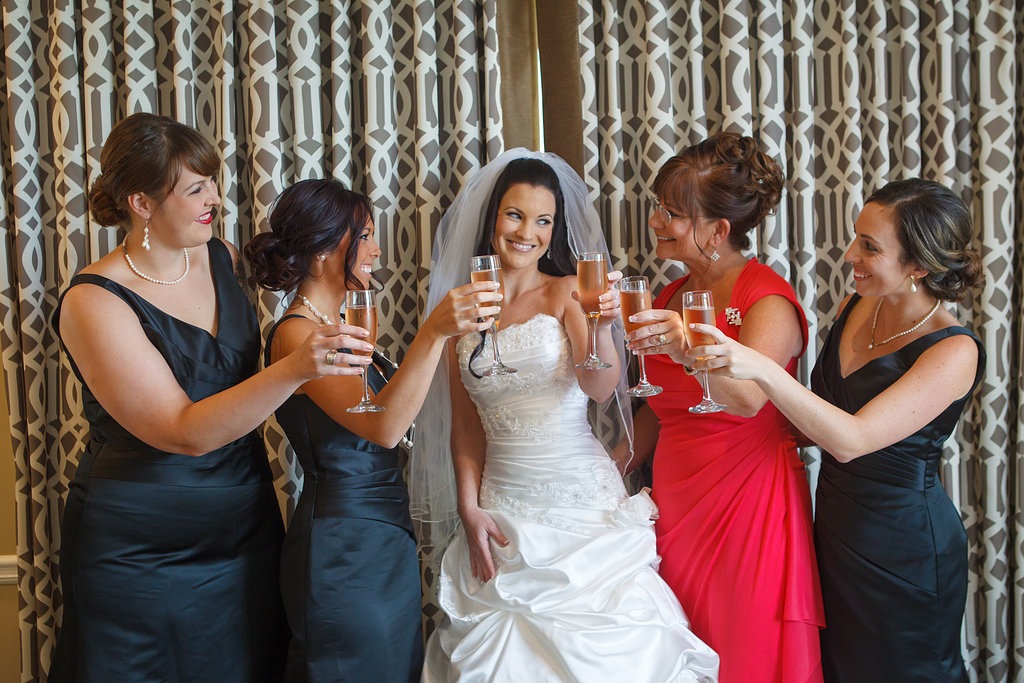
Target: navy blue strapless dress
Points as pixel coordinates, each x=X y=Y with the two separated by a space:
x=892 y=550
x=349 y=570
x=169 y=562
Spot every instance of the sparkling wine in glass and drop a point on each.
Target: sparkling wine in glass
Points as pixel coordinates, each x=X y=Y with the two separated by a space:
x=361 y=311
x=635 y=296
x=699 y=307
x=591 y=283
x=487 y=268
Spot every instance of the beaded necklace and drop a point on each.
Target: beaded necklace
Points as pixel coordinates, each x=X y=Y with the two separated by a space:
x=131 y=265
x=874 y=323
x=314 y=310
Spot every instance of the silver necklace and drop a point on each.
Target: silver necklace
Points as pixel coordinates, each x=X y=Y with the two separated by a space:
x=131 y=265
x=314 y=310
x=874 y=323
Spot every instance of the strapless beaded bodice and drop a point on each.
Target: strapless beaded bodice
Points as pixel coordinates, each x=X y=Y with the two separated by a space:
x=541 y=452
x=542 y=400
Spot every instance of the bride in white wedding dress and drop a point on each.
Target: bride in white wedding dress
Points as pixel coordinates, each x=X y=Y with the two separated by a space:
x=553 y=576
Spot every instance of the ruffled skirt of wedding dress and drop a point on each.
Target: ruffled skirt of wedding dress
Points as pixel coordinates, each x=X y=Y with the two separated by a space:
x=576 y=598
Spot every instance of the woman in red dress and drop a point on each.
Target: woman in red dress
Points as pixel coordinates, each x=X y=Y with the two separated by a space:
x=735 y=531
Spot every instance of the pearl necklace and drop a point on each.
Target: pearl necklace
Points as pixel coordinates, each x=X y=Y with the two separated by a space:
x=874 y=323
x=131 y=265
x=315 y=311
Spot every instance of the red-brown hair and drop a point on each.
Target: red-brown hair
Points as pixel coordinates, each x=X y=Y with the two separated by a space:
x=725 y=176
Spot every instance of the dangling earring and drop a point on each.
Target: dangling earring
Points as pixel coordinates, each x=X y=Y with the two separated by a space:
x=547 y=254
x=715 y=255
x=145 y=236
x=913 y=285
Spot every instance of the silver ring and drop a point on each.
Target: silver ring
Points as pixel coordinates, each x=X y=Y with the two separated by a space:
x=662 y=339
x=331 y=355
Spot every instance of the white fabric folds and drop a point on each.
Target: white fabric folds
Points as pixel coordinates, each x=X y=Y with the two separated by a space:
x=576 y=596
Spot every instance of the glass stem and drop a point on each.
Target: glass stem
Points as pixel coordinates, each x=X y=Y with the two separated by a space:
x=494 y=344
x=592 y=328
x=703 y=375
x=643 y=370
x=366 y=384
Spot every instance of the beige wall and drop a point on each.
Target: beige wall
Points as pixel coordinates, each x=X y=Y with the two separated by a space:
x=9 y=637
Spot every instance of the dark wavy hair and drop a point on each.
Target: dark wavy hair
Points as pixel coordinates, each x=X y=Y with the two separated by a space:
x=309 y=218
x=935 y=229
x=535 y=173
x=725 y=176
x=146 y=153
x=559 y=260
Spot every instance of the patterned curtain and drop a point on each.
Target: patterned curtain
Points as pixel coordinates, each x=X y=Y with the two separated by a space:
x=847 y=94
x=396 y=97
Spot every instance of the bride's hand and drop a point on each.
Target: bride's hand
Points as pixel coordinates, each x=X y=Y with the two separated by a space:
x=480 y=527
x=610 y=310
x=609 y=301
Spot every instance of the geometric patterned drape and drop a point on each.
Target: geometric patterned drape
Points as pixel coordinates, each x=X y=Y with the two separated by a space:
x=846 y=94
x=399 y=98
x=396 y=97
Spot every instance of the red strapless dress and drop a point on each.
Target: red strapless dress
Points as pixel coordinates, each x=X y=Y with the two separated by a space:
x=735 y=533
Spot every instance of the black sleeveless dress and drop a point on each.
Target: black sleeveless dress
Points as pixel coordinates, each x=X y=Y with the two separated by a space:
x=892 y=549
x=169 y=562
x=349 y=571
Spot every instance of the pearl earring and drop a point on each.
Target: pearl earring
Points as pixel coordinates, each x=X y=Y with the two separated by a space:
x=145 y=236
x=913 y=285
x=321 y=257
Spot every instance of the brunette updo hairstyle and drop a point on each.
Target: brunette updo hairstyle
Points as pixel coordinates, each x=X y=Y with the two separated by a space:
x=311 y=217
x=934 y=228
x=146 y=153
x=725 y=176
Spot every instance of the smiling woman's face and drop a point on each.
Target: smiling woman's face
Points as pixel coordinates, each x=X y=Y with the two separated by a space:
x=876 y=253
x=185 y=217
x=522 y=229
x=677 y=234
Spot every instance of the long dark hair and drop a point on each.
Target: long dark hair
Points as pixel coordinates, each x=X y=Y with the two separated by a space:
x=559 y=259
x=533 y=172
x=311 y=217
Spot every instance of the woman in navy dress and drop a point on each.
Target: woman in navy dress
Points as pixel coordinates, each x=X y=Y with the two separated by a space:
x=349 y=573
x=171 y=533
x=889 y=388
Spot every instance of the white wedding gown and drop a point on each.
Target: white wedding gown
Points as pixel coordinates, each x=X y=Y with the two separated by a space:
x=576 y=596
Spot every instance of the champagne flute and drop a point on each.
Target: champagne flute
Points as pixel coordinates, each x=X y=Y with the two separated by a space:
x=591 y=283
x=487 y=268
x=361 y=311
x=698 y=307
x=635 y=296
